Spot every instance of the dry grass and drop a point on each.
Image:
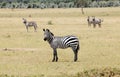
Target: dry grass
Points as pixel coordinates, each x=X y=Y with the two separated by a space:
x=26 y=54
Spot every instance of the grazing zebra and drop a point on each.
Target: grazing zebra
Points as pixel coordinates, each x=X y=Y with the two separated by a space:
x=61 y=42
x=30 y=24
x=94 y=21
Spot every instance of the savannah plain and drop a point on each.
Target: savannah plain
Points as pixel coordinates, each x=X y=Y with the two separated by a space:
x=25 y=54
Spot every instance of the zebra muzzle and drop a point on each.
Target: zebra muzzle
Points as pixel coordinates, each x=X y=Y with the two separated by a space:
x=45 y=39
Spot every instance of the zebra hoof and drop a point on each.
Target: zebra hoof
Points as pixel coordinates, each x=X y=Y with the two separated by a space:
x=75 y=60
x=56 y=59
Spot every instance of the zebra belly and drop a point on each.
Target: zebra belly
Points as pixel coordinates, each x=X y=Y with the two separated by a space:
x=64 y=42
x=62 y=47
x=30 y=25
x=57 y=43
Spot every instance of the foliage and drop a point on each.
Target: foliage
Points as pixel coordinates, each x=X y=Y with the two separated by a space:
x=57 y=3
x=106 y=72
x=50 y=23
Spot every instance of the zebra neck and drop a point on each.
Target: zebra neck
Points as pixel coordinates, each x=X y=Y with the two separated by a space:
x=50 y=39
x=25 y=23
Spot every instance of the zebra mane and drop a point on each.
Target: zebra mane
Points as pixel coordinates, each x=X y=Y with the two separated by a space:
x=52 y=34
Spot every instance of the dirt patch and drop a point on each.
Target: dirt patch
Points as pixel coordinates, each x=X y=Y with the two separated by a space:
x=19 y=49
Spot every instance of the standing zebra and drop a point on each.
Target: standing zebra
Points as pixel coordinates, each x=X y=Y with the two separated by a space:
x=94 y=21
x=61 y=42
x=30 y=24
x=90 y=20
x=97 y=21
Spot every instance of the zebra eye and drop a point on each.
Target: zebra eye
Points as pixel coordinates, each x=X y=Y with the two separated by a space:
x=43 y=29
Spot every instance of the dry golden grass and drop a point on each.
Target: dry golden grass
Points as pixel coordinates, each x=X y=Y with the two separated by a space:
x=26 y=54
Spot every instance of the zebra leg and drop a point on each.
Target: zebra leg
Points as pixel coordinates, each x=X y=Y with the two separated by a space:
x=55 y=57
x=27 y=28
x=94 y=25
x=75 y=54
x=35 y=28
x=99 y=25
x=88 y=24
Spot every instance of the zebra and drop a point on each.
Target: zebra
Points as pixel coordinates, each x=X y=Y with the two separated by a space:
x=97 y=21
x=30 y=24
x=94 y=21
x=61 y=42
x=90 y=20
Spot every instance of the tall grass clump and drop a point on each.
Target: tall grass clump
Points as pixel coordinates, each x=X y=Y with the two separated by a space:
x=50 y=22
x=106 y=72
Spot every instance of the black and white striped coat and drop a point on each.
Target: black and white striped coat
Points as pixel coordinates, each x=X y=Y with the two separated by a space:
x=30 y=24
x=61 y=42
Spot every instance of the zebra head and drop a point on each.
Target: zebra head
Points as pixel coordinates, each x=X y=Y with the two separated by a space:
x=93 y=18
x=48 y=36
x=24 y=20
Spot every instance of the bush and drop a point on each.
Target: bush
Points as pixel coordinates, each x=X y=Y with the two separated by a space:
x=51 y=5
x=58 y=3
x=94 y=4
x=106 y=72
x=116 y=3
x=50 y=23
x=71 y=4
x=43 y=5
x=110 y=3
x=3 y=5
x=103 y=4
x=29 y=5
x=61 y=5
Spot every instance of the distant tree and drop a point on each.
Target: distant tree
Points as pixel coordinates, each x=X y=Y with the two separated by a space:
x=3 y=5
x=82 y=4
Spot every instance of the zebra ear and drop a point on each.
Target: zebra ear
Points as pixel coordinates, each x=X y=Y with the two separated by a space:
x=24 y=19
x=43 y=29
x=48 y=30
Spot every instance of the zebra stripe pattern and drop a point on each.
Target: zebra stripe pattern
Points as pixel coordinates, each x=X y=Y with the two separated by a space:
x=70 y=41
x=61 y=42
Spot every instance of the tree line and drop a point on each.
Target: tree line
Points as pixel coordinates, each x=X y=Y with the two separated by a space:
x=58 y=3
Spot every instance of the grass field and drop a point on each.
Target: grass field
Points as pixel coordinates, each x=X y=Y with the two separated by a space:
x=25 y=54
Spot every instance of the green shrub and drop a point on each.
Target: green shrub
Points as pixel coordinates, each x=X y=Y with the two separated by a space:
x=50 y=23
